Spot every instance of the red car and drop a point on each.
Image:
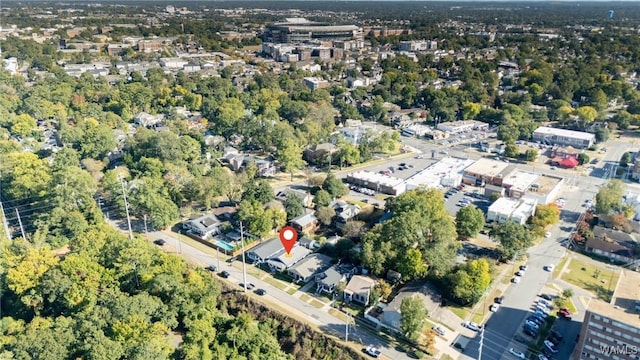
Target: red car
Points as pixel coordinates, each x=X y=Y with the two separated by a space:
x=565 y=313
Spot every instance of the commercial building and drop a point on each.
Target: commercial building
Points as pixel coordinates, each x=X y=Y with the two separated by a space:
x=612 y=330
x=418 y=45
x=487 y=171
x=456 y=127
x=381 y=183
x=315 y=83
x=545 y=189
x=516 y=210
x=553 y=136
x=297 y=30
x=445 y=173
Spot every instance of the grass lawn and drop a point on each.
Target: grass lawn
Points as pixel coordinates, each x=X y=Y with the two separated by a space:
x=279 y=284
x=292 y=291
x=338 y=314
x=568 y=303
x=557 y=269
x=598 y=280
x=305 y=297
x=317 y=304
x=463 y=313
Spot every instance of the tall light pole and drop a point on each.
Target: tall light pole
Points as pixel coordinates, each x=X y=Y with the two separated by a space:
x=126 y=207
x=244 y=264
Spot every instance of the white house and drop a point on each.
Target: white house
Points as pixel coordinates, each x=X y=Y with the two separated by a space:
x=516 y=210
x=203 y=226
x=359 y=289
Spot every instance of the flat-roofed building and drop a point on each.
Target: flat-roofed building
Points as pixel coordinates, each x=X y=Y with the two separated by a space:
x=456 y=127
x=297 y=30
x=545 y=189
x=611 y=330
x=508 y=209
x=446 y=172
x=381 y=183
x=487 y=171
x=315 y=83
x=518 y=183
x=553 y=136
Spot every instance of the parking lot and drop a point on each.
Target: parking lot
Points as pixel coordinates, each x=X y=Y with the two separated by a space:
x=466 y=137
x=468 y=195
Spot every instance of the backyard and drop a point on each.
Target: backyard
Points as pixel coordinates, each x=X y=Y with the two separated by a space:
x=596 y=279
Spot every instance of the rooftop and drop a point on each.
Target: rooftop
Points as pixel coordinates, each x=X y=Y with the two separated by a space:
x=488 y=167
x=624 y=301
x=545 y=183
x=359 y=284
x=311 y=264
x=520 y=180
x=515 y=207
x=377 y=178
x=432 y=175
x=549 y=131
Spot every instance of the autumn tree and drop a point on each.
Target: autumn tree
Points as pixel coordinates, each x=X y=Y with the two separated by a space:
x=545 y=215
x=470 y=281
x=609 y=197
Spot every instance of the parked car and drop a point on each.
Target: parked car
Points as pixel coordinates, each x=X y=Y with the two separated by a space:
x=548 y=268
x=517 y=353
x=547 y=297
x=523 y=267
x=473 y=326
x=515 y=280
x=532 y=324
x=565 y=313
x=530 y=332
x=494 y=307
x=544 y=303
x=547 y=234
x=520 y=273
x=211 y=268
x=549 y=345
x=542 y=357
x=249 y=286
x=499 y=300
x=372 y=351
x=159 y=242
x=556 y=335
x=535 y=320
x=439 y=330
x=224 y=274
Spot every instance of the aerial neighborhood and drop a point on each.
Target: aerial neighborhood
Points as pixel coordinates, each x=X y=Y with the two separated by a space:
x=460 y=182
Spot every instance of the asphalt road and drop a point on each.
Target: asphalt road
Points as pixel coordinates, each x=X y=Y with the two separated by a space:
x=319 y=317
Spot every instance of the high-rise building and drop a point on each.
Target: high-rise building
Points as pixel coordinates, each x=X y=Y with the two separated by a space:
x=612 y=330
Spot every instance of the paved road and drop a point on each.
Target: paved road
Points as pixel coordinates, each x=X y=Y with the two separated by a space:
x=319 y=317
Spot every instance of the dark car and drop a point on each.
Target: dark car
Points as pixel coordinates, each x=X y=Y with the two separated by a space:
x=211 y=268
x=249 y=286
x=261 y=292
x=159 y=242
x=546 y=297
x=556 y=335
x=224 y=274
x=530 y=332
x=499 y=299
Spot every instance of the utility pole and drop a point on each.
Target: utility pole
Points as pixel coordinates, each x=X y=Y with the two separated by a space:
x=346 y=327
x=126 y=207
x=145 y=223
x=244 y=264
x=24 y=236
x=5 y=225
x=481 y=344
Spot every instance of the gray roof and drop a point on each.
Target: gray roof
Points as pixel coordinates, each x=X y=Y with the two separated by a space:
x=205 y=223
x=267 y=249
x=331 y=277
x=297 y=253
x=311 y=265
x=304 y=220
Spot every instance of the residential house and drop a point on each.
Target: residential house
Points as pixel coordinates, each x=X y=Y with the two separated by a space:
x=237 y=161
x=203 y=226
x=306 y=223
x=614 y=244
x=321 y=153
x=359 y=289
x=327 y=280
x=281 y=261
x=392 y=316
x=344 y=212
x=147 y=120
x=306 y=269
x=309 y=243
x=264 y=251
x=306 y=198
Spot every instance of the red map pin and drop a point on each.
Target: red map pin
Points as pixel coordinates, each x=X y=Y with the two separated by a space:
x=288 y=237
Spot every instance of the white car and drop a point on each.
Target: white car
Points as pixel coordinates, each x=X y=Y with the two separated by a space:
x=439 y=330
x=547 y=234
x=520 y=273
x=532 y=324
x=516 y=353
x=473 y=326
x=549 y=345
x=515 y=280
x=372 y=351
x=494 y=307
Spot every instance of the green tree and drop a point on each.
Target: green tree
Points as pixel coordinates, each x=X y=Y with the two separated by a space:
x=289 y=155
x=511 y=150
x=322 y=198
x=259 y=220
x=567 y=294
x=411 y=264
x=583 y=158
x=260 y=191
x=513 y=239
x=325 y=214
x=294 y=206
x=609 y=197
x=414 y=313
x=470 y=110
x=469 y=222
x=531 y=155
x=470 y=281
x=27 y=175
x=625 y=159
x=586 y=113
x=545 y=215
x=334 y=186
